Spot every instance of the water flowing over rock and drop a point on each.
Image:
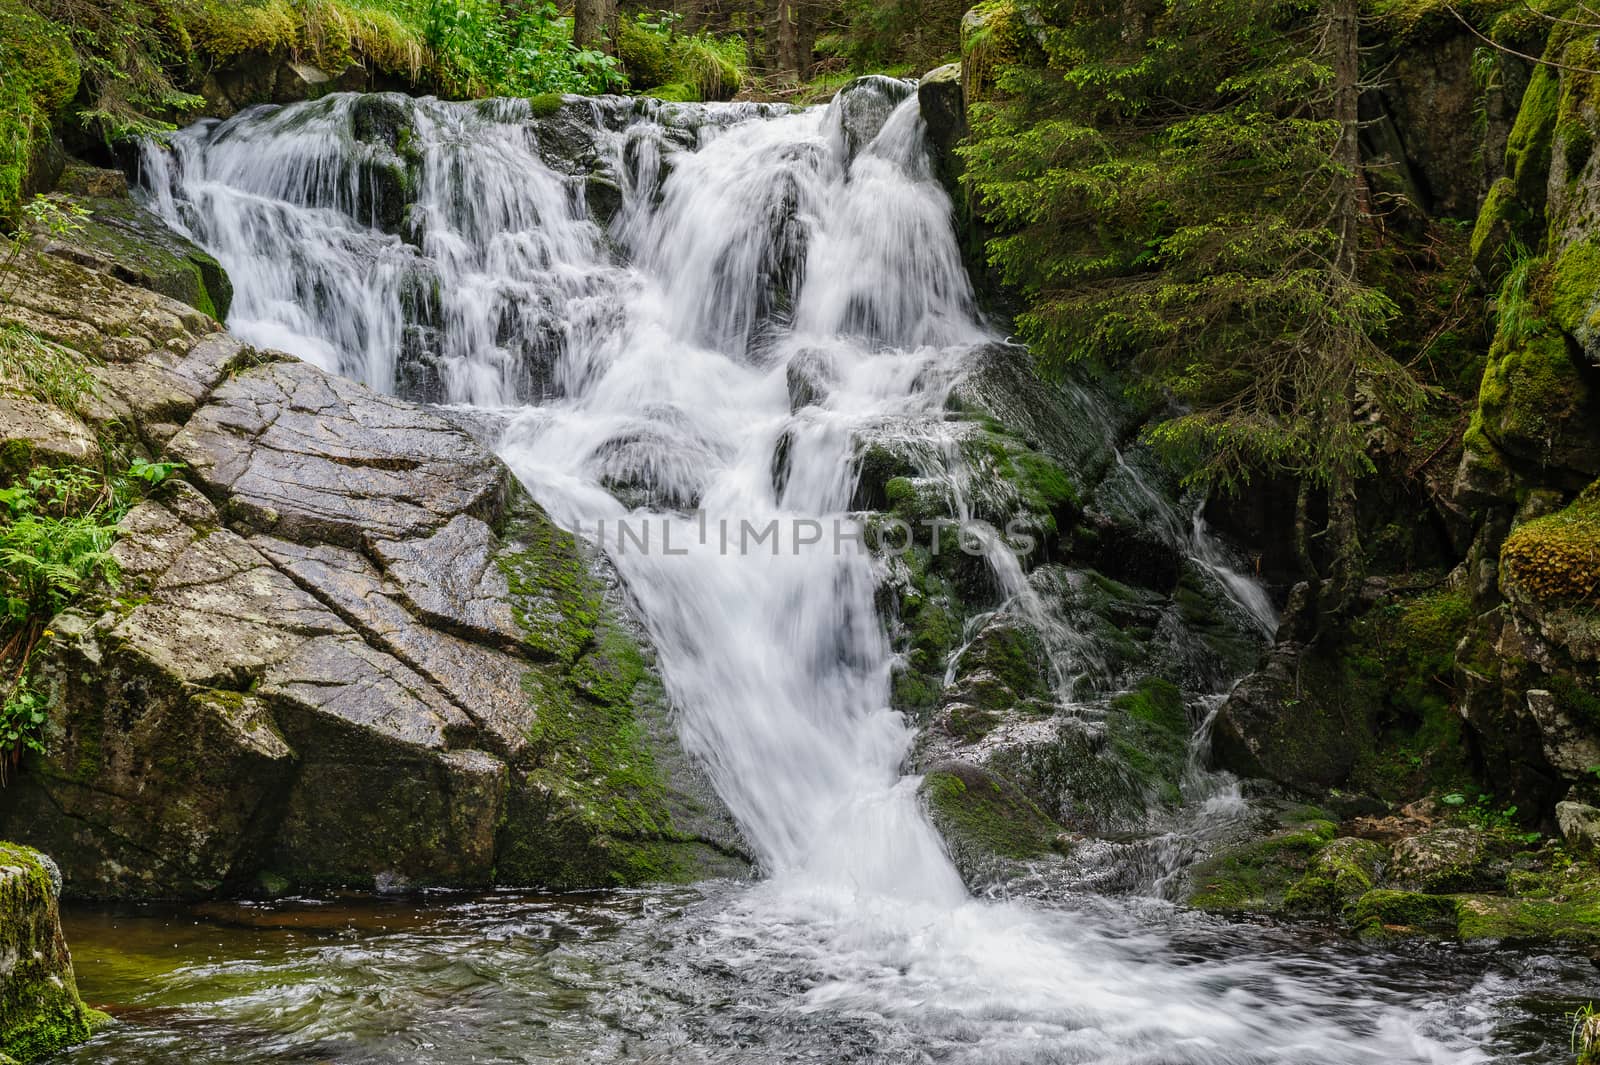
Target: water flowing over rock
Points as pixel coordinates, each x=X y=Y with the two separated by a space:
x=746 y=378
x=347 y=648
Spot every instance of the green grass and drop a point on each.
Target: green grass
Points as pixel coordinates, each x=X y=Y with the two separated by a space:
x=662 y=62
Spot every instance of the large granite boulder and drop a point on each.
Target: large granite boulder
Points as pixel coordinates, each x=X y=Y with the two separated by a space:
x=345 y=648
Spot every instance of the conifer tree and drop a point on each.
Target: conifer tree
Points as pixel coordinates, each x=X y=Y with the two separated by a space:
x=1177 y=189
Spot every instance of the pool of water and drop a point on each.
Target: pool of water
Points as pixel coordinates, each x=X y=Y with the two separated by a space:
x=718 y=973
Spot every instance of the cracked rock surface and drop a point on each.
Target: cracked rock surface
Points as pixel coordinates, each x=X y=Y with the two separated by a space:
x=346 y=648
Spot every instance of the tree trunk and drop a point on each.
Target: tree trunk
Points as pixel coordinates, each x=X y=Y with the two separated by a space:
x=1346 y=567
x=594 y=24
x=784 y=37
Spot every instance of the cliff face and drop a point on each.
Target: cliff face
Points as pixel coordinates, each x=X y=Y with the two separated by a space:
x=40 y=1011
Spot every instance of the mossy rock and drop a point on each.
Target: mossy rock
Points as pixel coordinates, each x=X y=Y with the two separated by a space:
x=127 y=241
x=1502 y=219
x=994 y=35
x=1255 y=877
x=1148 y=730
x=1336 y=876
x=984 y=818
x=1555 y=560
x=40 y=1011
x=594 y=806
x=1532 y=135
x=1537 y=406
x=1385 y=914
x=675 y=92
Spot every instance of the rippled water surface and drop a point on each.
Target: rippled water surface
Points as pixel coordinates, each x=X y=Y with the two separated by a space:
x=688 y=975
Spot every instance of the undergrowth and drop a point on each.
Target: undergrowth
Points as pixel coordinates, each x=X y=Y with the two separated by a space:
x=656 y=54
x=57 y=523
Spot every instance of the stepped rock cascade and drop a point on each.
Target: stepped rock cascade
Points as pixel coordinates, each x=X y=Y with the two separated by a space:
x=638 y=358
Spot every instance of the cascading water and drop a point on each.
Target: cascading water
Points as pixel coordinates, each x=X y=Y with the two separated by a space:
x=655 y=359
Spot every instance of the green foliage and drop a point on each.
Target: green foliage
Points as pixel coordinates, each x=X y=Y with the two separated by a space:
x=666 y=63
x=140 y=59
x=1174 y=199
x=495 y=49
x=45 y=370
x=38 y=75
x=877 y=34
x=56 y=531
x=1586 y=1034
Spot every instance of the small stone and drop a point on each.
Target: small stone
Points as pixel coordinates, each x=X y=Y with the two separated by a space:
x=1441 y=859
x=1580 y=825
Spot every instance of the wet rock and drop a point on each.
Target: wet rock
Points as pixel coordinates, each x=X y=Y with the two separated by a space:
x=1580 y=825
x=944 y=111
x=349 y=652
x=985 y=820
x=1444 y=859
x=863 y=106
x=810 y=375
x=298 y=454
x=40 y=1011
x=120 y=237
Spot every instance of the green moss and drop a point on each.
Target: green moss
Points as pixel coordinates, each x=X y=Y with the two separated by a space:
x=592 y=804
x=680 y=92
x=1337 y=875
x=38 y=76
x=980 y=815
x=1556 y=559
x=40 y=1011
x=1530 y=391
x=1571 y=287
x=994 y=36
x=1528 y=146
x=142 y=250
x=1256 y=876
x=1012 y=480
x=545 y=104
x=1383 y=913
x=1400 y=658
x=1148 y=732
x=553 y=597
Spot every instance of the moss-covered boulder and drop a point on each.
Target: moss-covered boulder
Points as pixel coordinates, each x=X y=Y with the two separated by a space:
x=40 y=1011
x=1387 y=913
x=1257 y=876
x=1336 y=876
x=985 y=820
x=120 y=237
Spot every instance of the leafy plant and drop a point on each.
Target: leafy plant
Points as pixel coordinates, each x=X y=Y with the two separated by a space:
x=1585 y=1032
x=656 y=53
x=23 y=714
x=57 y=527
x=524 y=50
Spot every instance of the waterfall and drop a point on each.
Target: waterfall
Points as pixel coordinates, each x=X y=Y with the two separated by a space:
x=642 y=359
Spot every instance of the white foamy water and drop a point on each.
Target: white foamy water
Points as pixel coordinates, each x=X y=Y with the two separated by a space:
x=655 y=365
